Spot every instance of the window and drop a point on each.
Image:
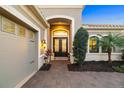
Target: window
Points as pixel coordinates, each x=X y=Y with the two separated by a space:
x=60 y=33
x=117 y=50
x=114 y=50
x=104 y=50
x=21 y=30
x=8 y=26
x=31 y=35
x=94 y=44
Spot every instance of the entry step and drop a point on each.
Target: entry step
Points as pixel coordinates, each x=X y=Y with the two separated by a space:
x=61 y=58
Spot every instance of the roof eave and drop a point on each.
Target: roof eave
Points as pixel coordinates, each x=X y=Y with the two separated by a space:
x=38 y=14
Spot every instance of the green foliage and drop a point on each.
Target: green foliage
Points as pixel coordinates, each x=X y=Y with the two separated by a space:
x=122 y=67
x=119 y=68
x=122 y=54
x=110 y=42
x=80 y=45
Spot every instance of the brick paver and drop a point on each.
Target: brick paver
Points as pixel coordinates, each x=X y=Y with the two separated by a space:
x=59 y=77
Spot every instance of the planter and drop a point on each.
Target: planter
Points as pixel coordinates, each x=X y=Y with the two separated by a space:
x=45 y=67
x=97 y=66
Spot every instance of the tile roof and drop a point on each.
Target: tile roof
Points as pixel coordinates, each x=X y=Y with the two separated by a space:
x=103 y=26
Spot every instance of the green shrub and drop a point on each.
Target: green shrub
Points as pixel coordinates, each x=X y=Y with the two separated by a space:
x=119 y=68
x=122 y=67
x=80 y=45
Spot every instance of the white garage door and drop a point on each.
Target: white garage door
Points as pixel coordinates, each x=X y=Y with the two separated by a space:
x=17 y=53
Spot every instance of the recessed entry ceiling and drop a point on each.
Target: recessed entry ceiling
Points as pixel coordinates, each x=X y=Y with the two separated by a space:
x=59 y=21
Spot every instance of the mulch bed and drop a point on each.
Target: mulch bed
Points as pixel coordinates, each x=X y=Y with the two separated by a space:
x=45 y=67
x=98 y=66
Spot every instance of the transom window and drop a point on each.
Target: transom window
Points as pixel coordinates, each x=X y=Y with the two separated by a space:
x=60 y=33
x=8 y=26
x=94 y=44
x=22 y=31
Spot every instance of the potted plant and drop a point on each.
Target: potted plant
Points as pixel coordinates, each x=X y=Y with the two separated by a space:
x=47 y=56
x=46 y=66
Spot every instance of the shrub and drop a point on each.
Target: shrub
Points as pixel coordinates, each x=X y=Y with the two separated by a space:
x=119 y=68
x=80 y=45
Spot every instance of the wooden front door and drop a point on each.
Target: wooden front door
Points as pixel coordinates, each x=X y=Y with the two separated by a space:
x=60 y=46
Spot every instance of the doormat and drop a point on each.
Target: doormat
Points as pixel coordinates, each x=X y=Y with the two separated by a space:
x=45 y=67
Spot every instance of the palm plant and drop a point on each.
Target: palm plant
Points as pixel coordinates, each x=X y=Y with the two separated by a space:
x=110 y=42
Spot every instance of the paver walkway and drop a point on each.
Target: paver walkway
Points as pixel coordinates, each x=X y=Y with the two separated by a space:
x=59 y=77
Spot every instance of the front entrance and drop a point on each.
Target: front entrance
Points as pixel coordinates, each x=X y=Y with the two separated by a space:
x=60 y=46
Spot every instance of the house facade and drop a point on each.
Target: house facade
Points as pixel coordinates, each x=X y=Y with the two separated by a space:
x=27 y=31
x=64 y=21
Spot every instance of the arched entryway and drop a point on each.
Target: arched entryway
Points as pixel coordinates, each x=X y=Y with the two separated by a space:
x=60 y=36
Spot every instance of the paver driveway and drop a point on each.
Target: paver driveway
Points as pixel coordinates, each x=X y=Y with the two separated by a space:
x=59 y=77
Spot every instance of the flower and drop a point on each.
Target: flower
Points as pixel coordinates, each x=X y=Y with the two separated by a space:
x=48 y=52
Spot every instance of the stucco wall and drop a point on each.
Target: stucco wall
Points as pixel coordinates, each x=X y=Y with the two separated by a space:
x=98 y=57
x=70 y=12
x=102 y=56
x=73 y=14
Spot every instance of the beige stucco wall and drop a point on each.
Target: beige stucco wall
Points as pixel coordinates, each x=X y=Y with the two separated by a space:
x=75 y=13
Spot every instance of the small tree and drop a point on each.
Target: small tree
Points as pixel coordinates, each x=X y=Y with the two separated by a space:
x=80 y=45
x=110 y=42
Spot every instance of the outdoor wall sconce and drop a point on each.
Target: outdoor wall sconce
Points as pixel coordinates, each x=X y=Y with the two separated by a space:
x=43 y=44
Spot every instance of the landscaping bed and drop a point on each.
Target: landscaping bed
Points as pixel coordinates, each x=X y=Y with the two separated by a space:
x=45 y=67
x=98 y=66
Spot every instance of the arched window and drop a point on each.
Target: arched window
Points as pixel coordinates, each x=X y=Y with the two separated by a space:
x=94 y=44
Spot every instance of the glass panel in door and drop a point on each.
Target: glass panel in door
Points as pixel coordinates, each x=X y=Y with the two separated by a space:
x=64 y=42
x=56 y=45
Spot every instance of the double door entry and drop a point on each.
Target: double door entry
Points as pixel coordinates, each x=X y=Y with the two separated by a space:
x=60 y=46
